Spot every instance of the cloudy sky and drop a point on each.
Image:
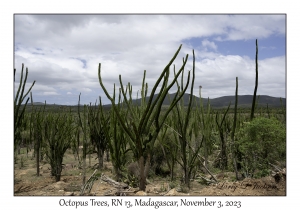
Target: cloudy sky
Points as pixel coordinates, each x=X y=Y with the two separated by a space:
x=62 y=53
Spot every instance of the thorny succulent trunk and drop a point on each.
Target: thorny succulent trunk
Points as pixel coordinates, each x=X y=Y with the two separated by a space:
x=143 y=118
x=144 y=170
x=100 y=154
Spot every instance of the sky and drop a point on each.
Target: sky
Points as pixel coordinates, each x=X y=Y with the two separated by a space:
x=63 y=52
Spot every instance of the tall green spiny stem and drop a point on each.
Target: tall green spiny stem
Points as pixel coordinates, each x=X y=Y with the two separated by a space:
x=222 y=138
x=182 y=122
x=204 y=126
x=97 y=120
x=256 y=83
x=233 y=150
x=37 y=120
x=18 y=111
x=137 y=125
x=82 y=123
x=117 y=139
x=58 y=133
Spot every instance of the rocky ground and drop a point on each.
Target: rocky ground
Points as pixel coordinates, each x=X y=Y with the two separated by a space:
x=26 y=183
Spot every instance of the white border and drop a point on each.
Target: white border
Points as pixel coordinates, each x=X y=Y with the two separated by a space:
x=8 y=8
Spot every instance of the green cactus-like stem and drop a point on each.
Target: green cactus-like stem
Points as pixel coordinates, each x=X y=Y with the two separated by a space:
x=256 y=83
x=233 y=150
x=182 y=121
x=140 y=119
x=18 y=111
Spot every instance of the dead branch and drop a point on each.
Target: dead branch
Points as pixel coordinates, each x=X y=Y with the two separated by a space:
x=114 y=183
x=276 y=167
x=116 y=192
x=89 y=184
x=207 y=181
x=198 y=156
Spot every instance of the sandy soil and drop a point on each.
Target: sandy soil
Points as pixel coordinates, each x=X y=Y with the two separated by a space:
x=26 y=183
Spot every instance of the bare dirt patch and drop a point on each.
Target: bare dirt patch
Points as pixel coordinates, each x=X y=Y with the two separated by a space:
x=26 y=183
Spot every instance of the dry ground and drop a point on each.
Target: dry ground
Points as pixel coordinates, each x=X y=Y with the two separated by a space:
x=26 y=183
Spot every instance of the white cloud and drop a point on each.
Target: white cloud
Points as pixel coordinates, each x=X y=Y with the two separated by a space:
x=211 y=45
x=217 y=76
x=268 y=48
x=56 y=48
x=50 y=93
x=85 y=89
x=244 y=27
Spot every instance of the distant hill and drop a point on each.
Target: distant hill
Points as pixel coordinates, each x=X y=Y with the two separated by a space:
x=246 y=101
x=243 y=101
x=40 y=104
x=221 y=102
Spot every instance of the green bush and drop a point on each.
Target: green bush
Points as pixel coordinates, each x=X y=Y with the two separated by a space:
x=261 y=141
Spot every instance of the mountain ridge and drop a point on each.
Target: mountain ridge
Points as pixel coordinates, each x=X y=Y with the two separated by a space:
x=223 y=101
x=219 y=102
